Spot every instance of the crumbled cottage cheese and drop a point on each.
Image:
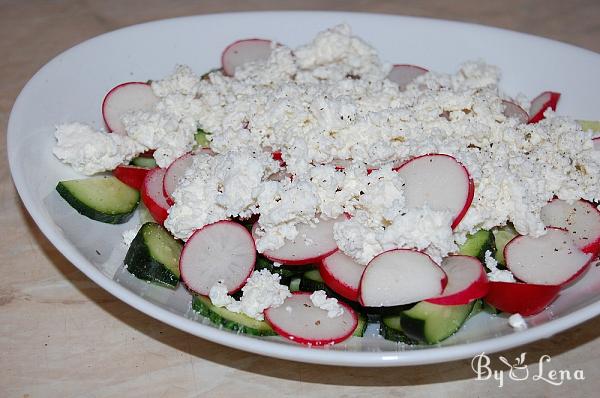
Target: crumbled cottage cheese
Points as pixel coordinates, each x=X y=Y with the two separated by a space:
x=517 y=322
x=261 y=291
x=495 y=274
x=319 y=299
x=329 y=103
x=90 y=151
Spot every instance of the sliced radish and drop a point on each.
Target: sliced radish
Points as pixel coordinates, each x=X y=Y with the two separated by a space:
x=243 y=51
x=547 y=99
x=596 y=143
x=126 y=97
x=467 y=281
x=523 y=298
x=439 y=182
x=312 y=244
x=581 y=219
x=515 y=111
x=153 y=196
x=223 y=251
x=551 y=259
x=400 y=276
x=297 y=319
x=342 y=274
x=174 y=172
x=131 y=175
x=403 y=75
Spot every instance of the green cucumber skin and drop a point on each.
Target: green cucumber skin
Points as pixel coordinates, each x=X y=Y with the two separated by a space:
x=85 y=210
x=478 y=244
x=143 y=266
x=310 y=285
x=361 y=327
x=477 y=308
x=415 y=328
x=204 y=310
x=393 y=334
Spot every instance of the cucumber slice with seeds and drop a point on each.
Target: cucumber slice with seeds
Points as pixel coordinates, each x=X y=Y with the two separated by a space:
x=104 y=199
x=154 y=255
x=361 y=327
x=431 y=323
x=477 y=244
x=230 y=320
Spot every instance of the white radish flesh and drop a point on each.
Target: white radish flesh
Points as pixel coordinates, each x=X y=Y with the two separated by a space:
x=596 y=143
x=244 y=51
x=124 y=98
x=174 y=173
x=223 y=251
x=342 y=274
x=312 y=243
x=513 y=110
x=581 y=219
x=539 y=104
x=297 y=319
x=439 y=182
x=400 y=276
x=467 y=281
x=403 y=75
x=551 y=259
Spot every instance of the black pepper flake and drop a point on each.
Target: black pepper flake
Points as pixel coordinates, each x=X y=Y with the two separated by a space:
x=98 y=253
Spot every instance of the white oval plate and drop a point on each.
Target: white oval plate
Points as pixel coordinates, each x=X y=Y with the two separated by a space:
x=71 y=87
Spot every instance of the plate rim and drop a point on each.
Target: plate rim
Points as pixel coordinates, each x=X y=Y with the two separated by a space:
x=268 y=348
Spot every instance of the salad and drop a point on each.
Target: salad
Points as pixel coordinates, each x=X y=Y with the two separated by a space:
x=309 y=192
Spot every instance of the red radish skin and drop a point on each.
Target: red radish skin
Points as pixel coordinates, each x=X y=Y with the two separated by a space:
x=390 y=279
x=148 y=154
x=124 y=98
x=581 y=219
x=242 y=51
x=153 y=196
x=404 y=74
x=596 y=142
x=174 y=172
x=298 y=252
x=298 y=320
x=551 y=259
x=342 y=274
x=441 y=187
x=467 y=281
x=222 y=251
x=131 y=175
x=523 y=298
x=515 y=111
x=547 y=99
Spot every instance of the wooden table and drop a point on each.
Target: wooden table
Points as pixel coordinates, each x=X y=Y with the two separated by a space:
x=63 y=336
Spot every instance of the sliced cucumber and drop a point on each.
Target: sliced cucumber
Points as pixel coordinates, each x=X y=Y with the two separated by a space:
x=502 y=236
x=230 y=320
x=361 y=327
x=586 y=125
x=311 y=281
x=104 y=199
x=286 y=273
x=143 y=161
x=154 y=255
x=390 y=328
x=201 y=138
x=477 y=308
x=477 y=244
x=431 y=323
x=490 y=309
x=295 y=284
x=144 y=214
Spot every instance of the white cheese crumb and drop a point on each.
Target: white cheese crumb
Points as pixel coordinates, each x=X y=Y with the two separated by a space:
x=276 y=264
x=91 y=151
x=261 y=291
x=319 y=299
x=495 y=274
x=517 y=322
x=129 y=236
